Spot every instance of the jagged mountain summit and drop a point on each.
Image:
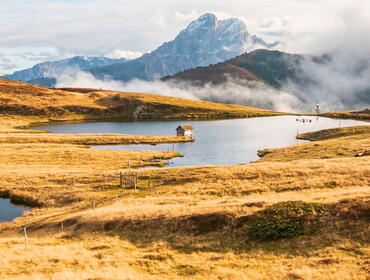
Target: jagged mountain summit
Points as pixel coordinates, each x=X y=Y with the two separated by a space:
x=209 y=40
x=205 y=41
x=53 y=69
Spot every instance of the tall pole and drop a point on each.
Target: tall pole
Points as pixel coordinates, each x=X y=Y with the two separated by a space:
x=25 y=237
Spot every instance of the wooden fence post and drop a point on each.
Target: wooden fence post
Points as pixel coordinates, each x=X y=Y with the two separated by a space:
x=120 y=179
x=25 y=237
x=116 y=198
x=62 y=228
x=136 y=181
x=94 y=205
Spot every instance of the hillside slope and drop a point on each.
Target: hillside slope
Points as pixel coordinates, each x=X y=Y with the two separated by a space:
x=300 y=213
x=355 y=114
x=272 y=67
x=22 y=99
x=299 y=219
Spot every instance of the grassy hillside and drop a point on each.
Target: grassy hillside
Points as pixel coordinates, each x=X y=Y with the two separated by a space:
x=199 y=223
x=297 y=219
x=356 y=114
x=302 y=212
x=335 y=133
x=272 y=67
x=25 y=102
x=215 y=74
x=328 y=143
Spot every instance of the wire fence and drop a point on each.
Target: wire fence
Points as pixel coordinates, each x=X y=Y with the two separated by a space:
x=124 y=179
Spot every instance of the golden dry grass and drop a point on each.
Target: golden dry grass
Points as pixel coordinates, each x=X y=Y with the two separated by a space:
x=39 y=104
x=49 y=168
x=104 y=257
x=354 y=114
x=339 y=143
x=192 y=223
x=137 y=238
x=336 y=133
x=85 y=139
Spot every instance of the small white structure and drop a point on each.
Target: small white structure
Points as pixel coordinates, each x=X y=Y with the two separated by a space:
x=317 y=109
x=185 y=130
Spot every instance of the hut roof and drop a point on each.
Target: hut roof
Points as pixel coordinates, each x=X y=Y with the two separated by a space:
x=185 y=127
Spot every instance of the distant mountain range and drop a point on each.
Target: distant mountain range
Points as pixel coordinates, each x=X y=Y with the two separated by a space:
x=45 y=82
x=215 y=52
x=47 y=72
x=205 y=41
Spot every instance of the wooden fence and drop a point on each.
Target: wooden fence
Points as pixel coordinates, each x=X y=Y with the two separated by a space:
x=128 y=180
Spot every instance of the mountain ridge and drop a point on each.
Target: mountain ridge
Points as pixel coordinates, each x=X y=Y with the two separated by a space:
x=205 y=41
x=53 y=69
x=271 y=67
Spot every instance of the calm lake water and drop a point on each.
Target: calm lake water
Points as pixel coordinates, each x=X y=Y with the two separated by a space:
x=220 y=142
x=9 y=211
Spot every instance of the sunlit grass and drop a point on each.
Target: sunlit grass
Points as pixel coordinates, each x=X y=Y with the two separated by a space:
x=193 y=223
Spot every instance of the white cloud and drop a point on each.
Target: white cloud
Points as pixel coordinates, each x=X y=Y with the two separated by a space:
x=86 y=80
x=8 y=66
x=124 y=54
x=5 y=60
x=106 y=25
x=187 y=16
x=158 y=19
x=257 y=95
x=24 y=57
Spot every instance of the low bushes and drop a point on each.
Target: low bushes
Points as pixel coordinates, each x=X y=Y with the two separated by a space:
x=284 y=220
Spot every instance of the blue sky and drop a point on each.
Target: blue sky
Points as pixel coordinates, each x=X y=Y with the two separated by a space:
x=33 y=31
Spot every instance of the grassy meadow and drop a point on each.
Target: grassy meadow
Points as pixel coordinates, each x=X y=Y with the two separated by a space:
x=354 y=114
x=301 y=212
x=22 y=104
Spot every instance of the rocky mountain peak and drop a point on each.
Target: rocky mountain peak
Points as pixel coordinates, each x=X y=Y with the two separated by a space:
x=206 y=40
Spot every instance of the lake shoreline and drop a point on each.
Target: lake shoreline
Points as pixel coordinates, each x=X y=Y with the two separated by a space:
x=212 y=136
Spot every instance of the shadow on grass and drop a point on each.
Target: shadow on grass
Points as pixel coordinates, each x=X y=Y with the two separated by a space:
x=296 y=228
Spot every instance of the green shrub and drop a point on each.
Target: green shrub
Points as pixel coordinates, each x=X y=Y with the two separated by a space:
x=284 y=219
x=276 y=229
x=294 y=209
x=187 y=270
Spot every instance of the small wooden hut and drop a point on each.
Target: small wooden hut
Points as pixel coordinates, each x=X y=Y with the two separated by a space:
x=185 y=130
